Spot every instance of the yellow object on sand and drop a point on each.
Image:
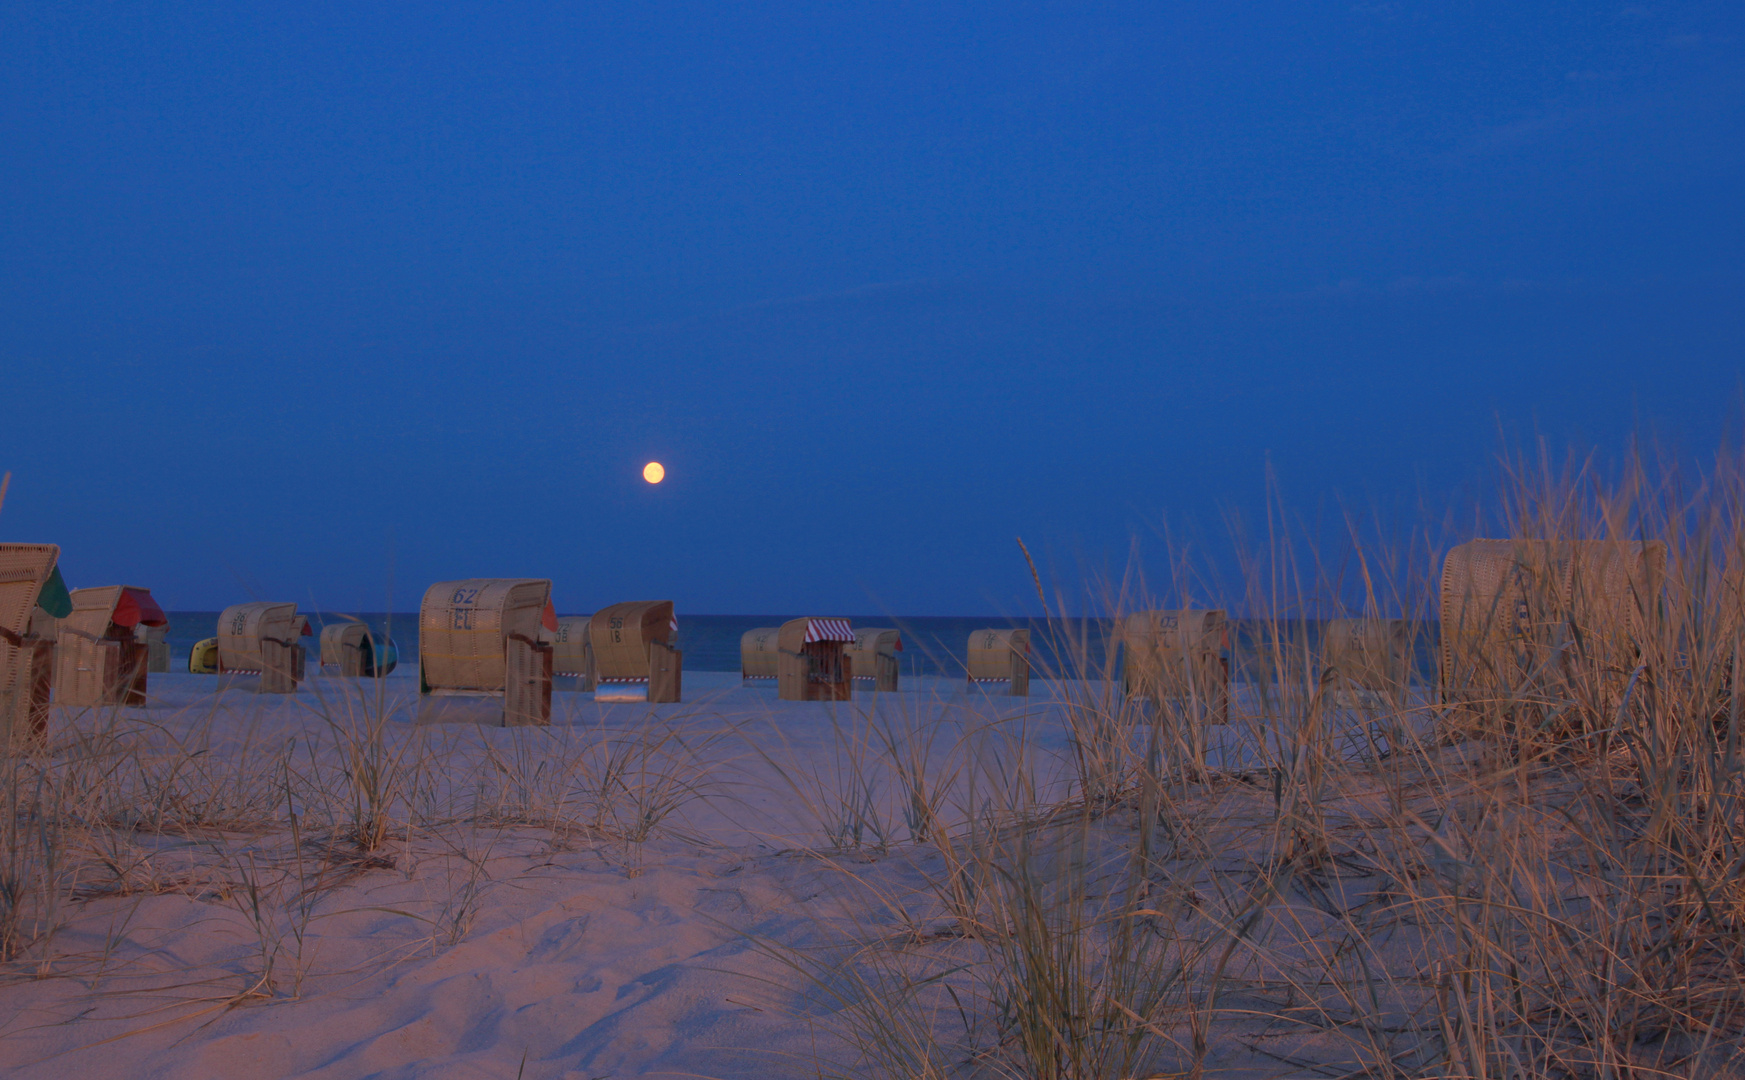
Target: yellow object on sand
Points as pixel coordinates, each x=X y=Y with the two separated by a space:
x=203 y=660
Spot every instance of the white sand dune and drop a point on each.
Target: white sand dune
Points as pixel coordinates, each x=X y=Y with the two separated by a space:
x=585 y=958
x=523 y=925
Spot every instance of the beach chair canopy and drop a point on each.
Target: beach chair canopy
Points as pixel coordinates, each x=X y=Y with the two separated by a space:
x=338 y=637
x=990 y=652
x=569 y=645
x=757 y=653
x=123 y=607
x=1175 y=632
x=245 y=631
x=1370 y=654
x=622 y=635
x=1497 y=594
x=876 y=639
x=804 y=631
x=24 y=570
x=464 y=628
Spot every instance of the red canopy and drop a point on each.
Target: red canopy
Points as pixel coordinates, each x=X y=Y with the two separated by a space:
x=136 y=606
x=548 y=617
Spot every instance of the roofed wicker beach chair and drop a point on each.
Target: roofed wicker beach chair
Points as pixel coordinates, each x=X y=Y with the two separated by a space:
x=633 y=653
x=811 y=664
x=156 y=640
x=26 y=655
x=263 y=638
x=1369 y=659
x=484 y=651
x=757 y=653
x=995 y=656
x=572 y=656
x=351 y=650
x=1525 y=622
x=1180 y=658
x=98 y=660
x=873 y=657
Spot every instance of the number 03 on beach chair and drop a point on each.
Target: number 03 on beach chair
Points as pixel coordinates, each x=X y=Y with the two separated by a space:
x=484 y=651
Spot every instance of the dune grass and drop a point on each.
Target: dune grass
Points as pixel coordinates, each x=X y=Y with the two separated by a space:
x=1544 y=878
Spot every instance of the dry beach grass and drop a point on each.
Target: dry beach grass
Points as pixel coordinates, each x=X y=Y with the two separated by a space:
x=1547 y=881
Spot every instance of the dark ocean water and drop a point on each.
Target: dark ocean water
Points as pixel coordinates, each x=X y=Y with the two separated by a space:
x=932 y=645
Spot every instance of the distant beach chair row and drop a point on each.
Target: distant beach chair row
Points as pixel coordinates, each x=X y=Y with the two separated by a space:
x=1511 y=612
x=820 y=659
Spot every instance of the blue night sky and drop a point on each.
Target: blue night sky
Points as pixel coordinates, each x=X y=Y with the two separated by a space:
x=298 y=300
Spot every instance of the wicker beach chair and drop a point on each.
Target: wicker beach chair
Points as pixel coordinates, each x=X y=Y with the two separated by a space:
x=995 y=656
x=1369 y=658
x=572 y=653
x=811 y=662
x=631 y=646
x=484 y=652
x=1527 y=619
x=874 y=657
x=1179 y=658
x=98 y=660
x=352 y=650
x=263 y=638
x=26 y=655
x=757 y=653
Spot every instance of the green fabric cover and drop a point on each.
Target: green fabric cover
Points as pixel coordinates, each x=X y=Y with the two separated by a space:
x=54 y=597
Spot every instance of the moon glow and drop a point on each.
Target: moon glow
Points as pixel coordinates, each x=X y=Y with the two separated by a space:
x=654 y=472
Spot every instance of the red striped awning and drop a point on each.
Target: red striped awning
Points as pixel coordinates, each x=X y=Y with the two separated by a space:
x=829 y=630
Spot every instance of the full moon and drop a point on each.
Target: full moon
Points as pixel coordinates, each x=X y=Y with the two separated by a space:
x=654 y=472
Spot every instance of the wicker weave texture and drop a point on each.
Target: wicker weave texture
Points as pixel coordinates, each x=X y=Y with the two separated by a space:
x=23 y=569
x=1507 y=605
x=342 y=649
x=623 y=636
x=757 y=653
x=995 y=655
x=1177 y=656
x=263 y=637
x=156 y=640
x=569 y=647
x=92 y=611
x=1368 y=654
x=464 y=629
x=96 y=662
x=989 y=653
x=811 y=670
x=874 y=656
